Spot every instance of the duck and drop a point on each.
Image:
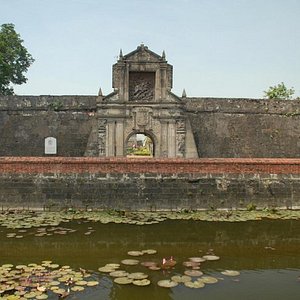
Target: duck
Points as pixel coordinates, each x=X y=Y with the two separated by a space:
x=64 y=294
x=82 y=271
x=40 y=288
x=168 y=263
x=70 y=281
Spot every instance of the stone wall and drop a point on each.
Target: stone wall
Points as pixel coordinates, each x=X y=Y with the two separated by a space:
x=25 y=121
x=221 y=127
x=245 y=127
x=148 y=184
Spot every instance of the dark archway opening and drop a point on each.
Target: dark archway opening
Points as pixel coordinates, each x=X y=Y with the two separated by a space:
x=141 y=145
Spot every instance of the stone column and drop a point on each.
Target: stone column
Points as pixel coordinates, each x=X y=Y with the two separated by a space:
x=110 y=144
x=126 y=83
x=163 y=69
x=172 y=139
x=157 y=93
x=164 y=139
x=120 y=138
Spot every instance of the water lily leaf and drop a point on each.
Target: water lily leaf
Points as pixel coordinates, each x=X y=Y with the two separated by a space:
x=92 y=283
x=154 y=268
x=112 y=265
x=6 y=266
x=135 y=253
x=230 y=273
x=30 y=295
x=167 y=283
x=191 y=264
x=193 y=273
x=40 y=297
x=141 y=282
x=197 y=259
x=130 y=262
x=208 y=279
x=77 y=288
x=181 y=278
x=54 y=282
x=211 y=257
x=119 y=273
x=149 y=251
x=81 y=282
x=59 y=291
x=123 y=280
x=53 y=266
x=194 y=284
x=137 y=276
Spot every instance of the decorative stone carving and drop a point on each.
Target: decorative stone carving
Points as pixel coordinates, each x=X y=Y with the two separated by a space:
x=142 y=118
x=141 y=86
x=180 y=137
x=102 y=136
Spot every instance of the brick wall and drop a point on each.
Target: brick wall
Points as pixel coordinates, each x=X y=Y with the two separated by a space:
x=147 y=184
x=65 y=165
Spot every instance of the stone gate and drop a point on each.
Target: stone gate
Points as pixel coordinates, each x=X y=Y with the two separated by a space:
x=142 y=102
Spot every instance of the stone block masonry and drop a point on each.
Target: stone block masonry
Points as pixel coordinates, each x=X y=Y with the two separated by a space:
x=148 y=184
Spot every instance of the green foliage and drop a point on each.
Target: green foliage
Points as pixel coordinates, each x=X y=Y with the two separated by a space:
x=142 y=151
x=56 y=105
x=14 y=59
x=279 y=91
x=251 y=206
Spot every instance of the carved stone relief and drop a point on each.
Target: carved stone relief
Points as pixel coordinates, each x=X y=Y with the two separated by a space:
x=180 y=137
x=142 y=118
x=141 y=86
x=102 y=136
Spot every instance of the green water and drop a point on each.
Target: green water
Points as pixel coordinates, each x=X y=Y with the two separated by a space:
x=267 y=253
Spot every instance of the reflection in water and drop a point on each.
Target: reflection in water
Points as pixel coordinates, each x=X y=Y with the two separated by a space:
x=259 y=249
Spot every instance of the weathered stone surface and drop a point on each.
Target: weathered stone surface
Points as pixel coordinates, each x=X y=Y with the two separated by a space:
x=137 y=192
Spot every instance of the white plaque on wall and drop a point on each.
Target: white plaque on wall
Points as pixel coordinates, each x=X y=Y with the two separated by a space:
x=50 y=145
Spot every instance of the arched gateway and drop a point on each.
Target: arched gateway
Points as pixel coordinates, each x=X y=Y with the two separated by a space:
x=142 y=102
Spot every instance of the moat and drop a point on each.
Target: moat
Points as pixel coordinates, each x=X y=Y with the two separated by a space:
x=265 y=254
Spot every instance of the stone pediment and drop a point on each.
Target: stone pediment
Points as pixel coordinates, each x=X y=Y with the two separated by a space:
x=142 y=54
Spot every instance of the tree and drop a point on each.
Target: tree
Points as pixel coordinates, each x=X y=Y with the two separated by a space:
x=279 y=91
x=14 y=59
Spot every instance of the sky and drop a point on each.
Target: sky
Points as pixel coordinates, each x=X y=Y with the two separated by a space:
x=218 y=48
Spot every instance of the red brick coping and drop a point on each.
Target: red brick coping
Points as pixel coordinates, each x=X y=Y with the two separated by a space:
x=66 y=165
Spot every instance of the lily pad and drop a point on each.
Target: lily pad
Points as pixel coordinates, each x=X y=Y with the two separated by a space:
x=167 y=283
x=230 y=273
x=130 y=262
x=123 y=280
x=148 y=264
x=81 y=282
x=137 y=276
x=106 y=269
x=59 y=291
x=193 y=273
x=208 y=279
x=43 y=296
x=191 y=264
x=92 y=283
x=197 y=259
x=149 y=251
x=119 y=273
x=141 y=282
x=194 y=284
x=211 y=257
x=77 y=288
x=154 y=268
x=112 y=265
x=181 y=278
x=135 y=253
